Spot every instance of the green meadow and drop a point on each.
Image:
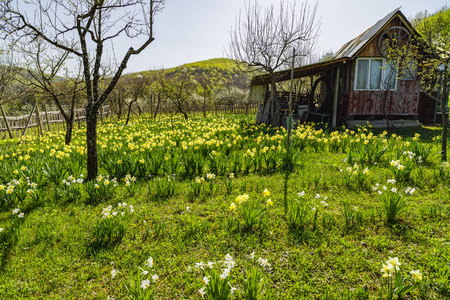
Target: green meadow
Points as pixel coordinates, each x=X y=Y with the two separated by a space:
x=220 y=208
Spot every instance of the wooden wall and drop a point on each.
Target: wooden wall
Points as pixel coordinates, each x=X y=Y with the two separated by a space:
x=402 y=102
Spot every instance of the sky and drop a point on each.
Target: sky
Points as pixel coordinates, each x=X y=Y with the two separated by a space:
x=194 y=30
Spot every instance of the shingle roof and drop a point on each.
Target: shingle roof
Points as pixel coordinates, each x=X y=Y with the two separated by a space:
x=351 y=48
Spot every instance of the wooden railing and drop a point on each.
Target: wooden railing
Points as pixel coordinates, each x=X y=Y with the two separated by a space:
x=49 y=121
x=250 y=108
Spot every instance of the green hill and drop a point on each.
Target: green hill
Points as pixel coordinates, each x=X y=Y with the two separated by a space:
x=214 y=72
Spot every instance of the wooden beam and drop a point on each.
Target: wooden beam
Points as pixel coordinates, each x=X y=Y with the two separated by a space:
x=6 y=122
x=28 y=123
x=335 y=98
x=46 y=116
x=38 y=115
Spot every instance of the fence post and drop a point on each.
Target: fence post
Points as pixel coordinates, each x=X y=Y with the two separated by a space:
x=6 y=122
x=28 y=122
x=38 y=115
x=46 y=116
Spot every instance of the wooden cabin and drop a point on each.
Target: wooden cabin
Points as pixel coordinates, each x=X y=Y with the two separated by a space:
x=358 y=84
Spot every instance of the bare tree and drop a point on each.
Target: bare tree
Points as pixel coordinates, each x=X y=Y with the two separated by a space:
x=178 y=90
x=205 y=90
x=40 y=70
x=156 y=92
x=136 y=88
x=84 y=28
x=118 y=96
x=265 y=40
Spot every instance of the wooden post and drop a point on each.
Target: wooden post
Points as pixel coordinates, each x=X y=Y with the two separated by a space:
x=46 y=116
x=6 y=122
x=335 y=98
x=28 y=122
x=38 y=115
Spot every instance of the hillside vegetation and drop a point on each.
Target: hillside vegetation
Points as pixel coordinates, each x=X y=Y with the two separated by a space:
x=217 y=72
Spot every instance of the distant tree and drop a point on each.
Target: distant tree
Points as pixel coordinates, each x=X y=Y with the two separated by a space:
x=204 y=90
x=179 y=90
x=136 y=86
x=84 y=29
x=425 y=59
x=10 y=87
x=265 y=40
x=156 y=92
x=40 y=70
x=118 y=96
x=327 y=56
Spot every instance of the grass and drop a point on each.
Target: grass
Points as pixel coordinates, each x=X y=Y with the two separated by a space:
x=63 y=248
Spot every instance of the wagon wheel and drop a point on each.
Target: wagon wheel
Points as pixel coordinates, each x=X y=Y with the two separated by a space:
x=395 y=38
x=320 y=97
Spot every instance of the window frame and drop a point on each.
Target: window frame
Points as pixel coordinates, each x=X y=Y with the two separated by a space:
x=384 y=73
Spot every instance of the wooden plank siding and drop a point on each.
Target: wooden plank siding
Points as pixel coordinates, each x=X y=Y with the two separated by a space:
x=427 y=109
x=401 y=102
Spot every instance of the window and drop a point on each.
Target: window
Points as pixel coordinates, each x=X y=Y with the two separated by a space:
x=362 y=74
x=375 y=74
x=376 y=71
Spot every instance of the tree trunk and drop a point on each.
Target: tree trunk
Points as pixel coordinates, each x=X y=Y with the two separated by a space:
x=275 y=111
x=129 y=111
x=157 y=106
x=69 y=128
x=91 y=142
x=69 y=122
x=151 y=105
x=204 y=105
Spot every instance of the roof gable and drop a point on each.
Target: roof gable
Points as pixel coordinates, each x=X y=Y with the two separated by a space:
x=353 y=47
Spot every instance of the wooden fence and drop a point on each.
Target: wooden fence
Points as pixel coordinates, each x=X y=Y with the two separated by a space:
x=54 y=121
x=241 y=108
x=48 y=121
x=250 y=108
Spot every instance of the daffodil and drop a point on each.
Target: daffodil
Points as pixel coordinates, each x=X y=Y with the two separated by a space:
x=113 y=273
x=387 y=270
x=394 y=262
x=149 y=262
x=417 y=276
x=145 y=284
